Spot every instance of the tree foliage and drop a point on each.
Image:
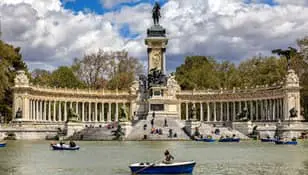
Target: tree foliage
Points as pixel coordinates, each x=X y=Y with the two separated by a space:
x=111 y=70
x=10 y=62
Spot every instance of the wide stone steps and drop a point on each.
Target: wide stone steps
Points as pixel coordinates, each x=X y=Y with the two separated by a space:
x=206 y=130
x=138 y=131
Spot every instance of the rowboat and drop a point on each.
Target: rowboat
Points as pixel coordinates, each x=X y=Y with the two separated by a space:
x=281 y=142
x=64 y=147
x=229 y=140
x=3 y=144
x=163 y=168
x=268 y=140
x=207 y=140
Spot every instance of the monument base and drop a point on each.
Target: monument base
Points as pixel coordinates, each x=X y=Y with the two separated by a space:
x=73 y=127
x=191 y=126
x=126 y=127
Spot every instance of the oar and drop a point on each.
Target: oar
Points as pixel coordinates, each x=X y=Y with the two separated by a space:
x=144 y=168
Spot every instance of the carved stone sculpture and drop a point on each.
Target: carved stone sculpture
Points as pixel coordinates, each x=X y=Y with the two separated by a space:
x=21 y=79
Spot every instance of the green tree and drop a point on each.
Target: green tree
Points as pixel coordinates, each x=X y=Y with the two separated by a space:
x=64 y=77
x=198 y=72
x=10 y=62
x=41 y=77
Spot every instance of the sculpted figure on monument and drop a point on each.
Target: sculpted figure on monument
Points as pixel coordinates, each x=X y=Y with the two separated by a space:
x=287 y=53
x=18 y=113
x=123 y=114
x=156 y=13
x=72 y=116
x=193 y=112
x=156 y=77
x=243 y=115
x=293 y=113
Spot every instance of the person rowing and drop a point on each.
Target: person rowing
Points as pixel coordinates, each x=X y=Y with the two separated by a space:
x=168 y=157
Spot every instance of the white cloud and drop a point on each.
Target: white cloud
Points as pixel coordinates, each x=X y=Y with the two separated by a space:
x=228 y=29
x=111 y=3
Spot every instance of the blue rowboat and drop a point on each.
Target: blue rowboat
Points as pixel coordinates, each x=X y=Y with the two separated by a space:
x=2 y=144
x=206 y=140
x=268 y=140
x=64 y=147
x=229 y=140
x=162 y=168
x=280 y=142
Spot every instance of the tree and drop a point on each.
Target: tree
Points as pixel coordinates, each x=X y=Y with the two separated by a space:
x=64 y=77
x=41 y=77
x=10 y=62
x=198 y=72
x=94 y=67
x=112 y=70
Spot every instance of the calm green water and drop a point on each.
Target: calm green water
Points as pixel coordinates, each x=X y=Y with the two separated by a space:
x=113 y=158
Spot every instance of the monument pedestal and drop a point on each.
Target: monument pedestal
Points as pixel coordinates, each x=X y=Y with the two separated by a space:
x=191 y=126
x=126 y=127
x=73 y=127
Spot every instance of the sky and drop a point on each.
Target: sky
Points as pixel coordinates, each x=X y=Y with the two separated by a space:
x=51 y=33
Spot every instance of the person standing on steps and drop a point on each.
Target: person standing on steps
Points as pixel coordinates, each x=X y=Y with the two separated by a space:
x=153 y=115
x=152 y=122
x=166 y=124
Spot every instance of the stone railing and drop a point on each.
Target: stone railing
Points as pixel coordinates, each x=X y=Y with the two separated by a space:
x=230 y=91
x=79 y=91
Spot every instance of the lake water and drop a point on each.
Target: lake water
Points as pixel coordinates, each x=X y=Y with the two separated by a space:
x=113 y=158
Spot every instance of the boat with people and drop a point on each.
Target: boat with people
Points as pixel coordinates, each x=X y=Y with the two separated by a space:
x=63 y=146
x=286 y=142
x=163 y=168
x=268 y=140
x=229 y=139
x=207 y=139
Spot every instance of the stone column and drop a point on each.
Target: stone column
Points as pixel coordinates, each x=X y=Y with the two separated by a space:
x=45 y=111
x=186 y=110
x=116 y=112
x=49 y=110
x=60 y=111
x=103 y=113
x=77 y=108
x=89 y=112
x=37 y=110
x=240 y=106
x=201 y=112
x=54 y=111
x=82 y=112
x=41 y=110
x=221 y=111
x=215 y=111
x=234 y=112
x=228 y=112
x=95 y=119
x=30 y=115
x=65 y=110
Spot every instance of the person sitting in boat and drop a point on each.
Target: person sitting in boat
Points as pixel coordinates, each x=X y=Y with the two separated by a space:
x=294 y=139
x=168 y=157
x=61 y=143
x=72 y=144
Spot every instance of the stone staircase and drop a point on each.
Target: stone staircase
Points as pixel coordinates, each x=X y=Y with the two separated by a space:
x=206 y=129
x=176 y=125
x=91 y=134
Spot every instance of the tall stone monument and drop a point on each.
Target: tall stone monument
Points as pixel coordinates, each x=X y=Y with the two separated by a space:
x=161 y=98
